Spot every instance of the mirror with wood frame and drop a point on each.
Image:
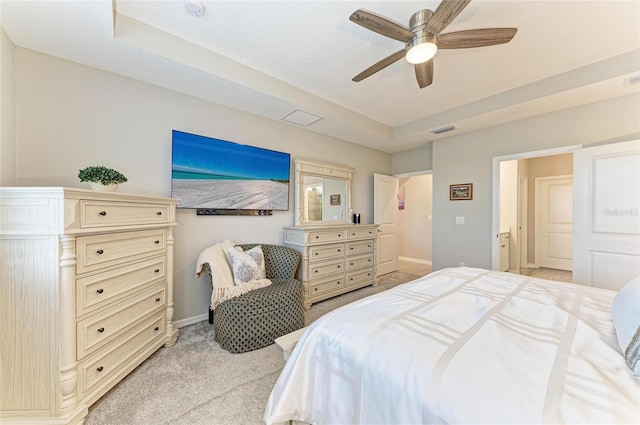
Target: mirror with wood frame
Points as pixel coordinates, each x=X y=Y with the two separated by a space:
x=323 y=192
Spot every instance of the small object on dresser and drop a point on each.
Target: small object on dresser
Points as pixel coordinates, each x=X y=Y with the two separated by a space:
x=102 y=178
x=356 y=218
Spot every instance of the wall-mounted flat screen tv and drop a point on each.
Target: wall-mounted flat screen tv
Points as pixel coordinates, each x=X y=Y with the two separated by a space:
x=217 y=174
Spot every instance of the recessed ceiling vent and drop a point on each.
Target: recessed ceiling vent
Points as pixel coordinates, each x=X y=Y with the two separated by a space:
x=443 y=129
x=300 y=117
x=633 y=80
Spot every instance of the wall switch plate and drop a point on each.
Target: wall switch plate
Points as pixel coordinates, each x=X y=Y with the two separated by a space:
x=459 y=220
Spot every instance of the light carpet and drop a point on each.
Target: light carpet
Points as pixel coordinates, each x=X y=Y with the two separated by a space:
x=197 y=382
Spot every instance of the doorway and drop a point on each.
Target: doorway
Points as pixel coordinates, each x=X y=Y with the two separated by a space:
x=515 y=211
x=408 y=210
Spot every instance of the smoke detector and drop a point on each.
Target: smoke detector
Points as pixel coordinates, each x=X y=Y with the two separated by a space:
x=194 y=8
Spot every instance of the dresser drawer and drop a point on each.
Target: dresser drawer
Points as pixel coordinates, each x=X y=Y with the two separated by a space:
x=361 y=233
x=364 y=247
x=359 y=262
x=326 y=268
x=99 y=290
x=322 y=252
x=322 y=236
x=317 y=287
x=96 y=252
x=105 y=364
x=96 y=214
x=102 y=328
x=357 y=277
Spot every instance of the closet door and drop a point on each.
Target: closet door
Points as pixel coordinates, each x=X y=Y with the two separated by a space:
x=606 y=249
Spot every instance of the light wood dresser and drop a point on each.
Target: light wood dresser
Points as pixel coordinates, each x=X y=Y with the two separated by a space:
x=335 y=258
x=86 y=283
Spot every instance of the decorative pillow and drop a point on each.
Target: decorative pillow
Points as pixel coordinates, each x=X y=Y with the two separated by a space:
x=626 y=320
x=247 y=265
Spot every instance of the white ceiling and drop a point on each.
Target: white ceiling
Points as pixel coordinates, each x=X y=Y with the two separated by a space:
x=270 y=58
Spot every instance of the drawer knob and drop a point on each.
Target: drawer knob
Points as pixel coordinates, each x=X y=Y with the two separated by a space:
x=315 y=289
x=101 y=330
x=157 y=300
x=159 y=213
x=368 y=246
x=339 y=235
x=351 y=264
x=157 y=270
x=316 y=253
x=317 y=237
x=368 y=274
x=156 y=242
x=102 y=213
x=156 y=328
x=351 y=248
x=369 y=259
x=100 y=369
x=353 y=234
x=100 y=251
x=339 y=266
x=315 y=271
x=100 y=291
x=338 y=283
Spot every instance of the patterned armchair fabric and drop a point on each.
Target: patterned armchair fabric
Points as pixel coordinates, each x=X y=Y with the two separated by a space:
x=255 y=319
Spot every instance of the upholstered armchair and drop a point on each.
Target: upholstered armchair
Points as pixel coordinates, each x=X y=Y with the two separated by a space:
x=255 y=319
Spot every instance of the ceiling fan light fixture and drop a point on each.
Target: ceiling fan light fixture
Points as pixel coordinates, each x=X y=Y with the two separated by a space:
x=421 y=49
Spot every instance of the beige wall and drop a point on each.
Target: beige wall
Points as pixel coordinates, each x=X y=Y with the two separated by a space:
x=69 y=116
x=414 y=221
x=413 y=160
x=7 y=113
x=469 y=158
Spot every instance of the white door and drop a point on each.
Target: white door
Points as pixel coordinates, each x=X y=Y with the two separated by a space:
x=385 y=201
x=554 y=222
x=607 y=215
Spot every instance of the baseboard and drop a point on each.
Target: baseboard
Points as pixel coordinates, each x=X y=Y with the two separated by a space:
x=415 y=260
x=532 y=266
x=191 y=320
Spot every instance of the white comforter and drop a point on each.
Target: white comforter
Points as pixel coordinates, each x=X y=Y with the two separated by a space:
x=462 y=345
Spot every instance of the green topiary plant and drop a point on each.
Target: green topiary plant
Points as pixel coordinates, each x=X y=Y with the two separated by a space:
x=101 y=174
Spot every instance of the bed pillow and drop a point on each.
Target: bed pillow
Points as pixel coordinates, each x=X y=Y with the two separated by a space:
x=247 y=265
x=626 y=320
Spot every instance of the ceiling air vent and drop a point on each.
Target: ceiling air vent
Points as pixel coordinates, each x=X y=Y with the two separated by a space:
x=300 y=117
x=633 y=80
x=443 y=129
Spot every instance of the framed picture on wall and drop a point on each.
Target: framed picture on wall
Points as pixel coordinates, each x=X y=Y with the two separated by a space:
x=461 y=192
x=334 y=199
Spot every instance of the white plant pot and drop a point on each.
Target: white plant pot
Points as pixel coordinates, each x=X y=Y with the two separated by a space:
x=103 y=188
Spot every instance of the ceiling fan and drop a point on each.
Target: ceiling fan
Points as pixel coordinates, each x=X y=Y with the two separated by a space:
x=423 y=39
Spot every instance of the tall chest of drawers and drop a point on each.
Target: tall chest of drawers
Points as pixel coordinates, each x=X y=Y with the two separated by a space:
x=86 y=283
x=335 y=259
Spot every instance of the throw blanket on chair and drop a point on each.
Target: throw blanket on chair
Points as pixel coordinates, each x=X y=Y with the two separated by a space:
x=222 y=282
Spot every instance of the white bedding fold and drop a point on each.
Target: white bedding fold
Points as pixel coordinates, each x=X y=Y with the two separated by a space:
x=462 y=346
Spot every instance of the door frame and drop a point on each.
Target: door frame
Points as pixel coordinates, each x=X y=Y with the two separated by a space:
x=495 y=191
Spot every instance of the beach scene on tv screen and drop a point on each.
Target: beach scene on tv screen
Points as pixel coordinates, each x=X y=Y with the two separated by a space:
x=213 y=173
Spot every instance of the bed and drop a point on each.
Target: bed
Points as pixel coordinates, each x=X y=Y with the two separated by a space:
x=462 y=345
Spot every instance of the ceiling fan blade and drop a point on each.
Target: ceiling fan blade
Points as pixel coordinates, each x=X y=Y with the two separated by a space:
x=424 y=73
x=476 y=38
x=381 y=25
x=444 y=14
x=379 y=65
